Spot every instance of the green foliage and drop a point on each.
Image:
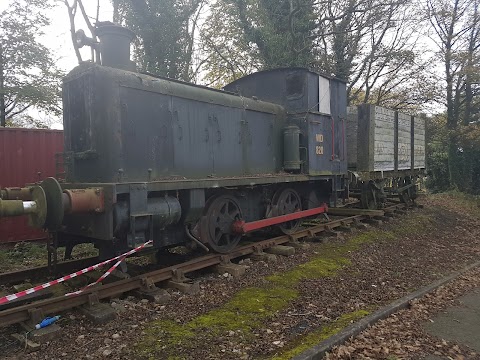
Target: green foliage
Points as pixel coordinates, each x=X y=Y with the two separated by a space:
x=467 y=157
x=453 y=156
x=241 y=36
x=31 y=78
x=282 y=30
x=456 y=27
x=437 y=154
x=229 y=54
x=165 y=31
x=371 y=44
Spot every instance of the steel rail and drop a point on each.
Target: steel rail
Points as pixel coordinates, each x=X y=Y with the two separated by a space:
x=62 y=303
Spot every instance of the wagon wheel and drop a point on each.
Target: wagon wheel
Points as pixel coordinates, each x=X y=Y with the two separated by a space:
x=221 y=212
x=287 y=201
x=368 y=199
x=413 y=189
x=410 y=194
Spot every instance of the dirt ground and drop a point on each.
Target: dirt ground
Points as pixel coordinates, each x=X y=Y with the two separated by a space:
x=278 y=310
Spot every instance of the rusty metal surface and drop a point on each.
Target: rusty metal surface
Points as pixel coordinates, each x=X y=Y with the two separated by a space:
x=124 y=130
x=16 y=193
x=86 y=200
x=26 y=156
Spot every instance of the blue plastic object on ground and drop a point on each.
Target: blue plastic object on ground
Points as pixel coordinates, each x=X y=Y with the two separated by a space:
x=46 y=322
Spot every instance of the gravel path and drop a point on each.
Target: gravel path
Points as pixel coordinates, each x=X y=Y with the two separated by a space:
x=278 y=310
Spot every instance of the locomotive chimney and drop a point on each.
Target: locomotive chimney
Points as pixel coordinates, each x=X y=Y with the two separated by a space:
x=115 y=46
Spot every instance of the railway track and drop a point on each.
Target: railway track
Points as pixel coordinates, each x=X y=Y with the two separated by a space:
x=58 y=304
x=40 y=272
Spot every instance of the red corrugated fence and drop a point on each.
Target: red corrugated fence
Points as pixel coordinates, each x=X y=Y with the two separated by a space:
x=26 y=156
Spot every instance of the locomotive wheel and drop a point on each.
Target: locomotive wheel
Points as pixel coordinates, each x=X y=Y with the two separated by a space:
x=221 y=212
x=287 y=201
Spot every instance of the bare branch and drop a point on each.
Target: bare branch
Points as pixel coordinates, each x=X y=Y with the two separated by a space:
x=72 y=11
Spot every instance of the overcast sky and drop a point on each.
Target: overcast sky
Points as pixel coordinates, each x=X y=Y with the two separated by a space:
x=57 y=35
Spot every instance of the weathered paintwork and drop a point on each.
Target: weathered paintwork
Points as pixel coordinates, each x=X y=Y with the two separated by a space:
x=380 y=140
x=140 y=138
x=376 y=137
x=383 y=139
x=403 y=137
x=171 y=161
x=125 y=127
x=418 y=140
x=315 y=103
x=352 y=136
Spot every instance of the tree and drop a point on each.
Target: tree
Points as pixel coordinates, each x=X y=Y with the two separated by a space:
x=281 y=30
x=446 y=20
x=372 y=44
x=437 y=153
x=245 y=35
x=28 y=75
x=242 y=36
x=166 y=34
x=228 y=54
x=73 y=7
x=472 y=67
x=455 y=25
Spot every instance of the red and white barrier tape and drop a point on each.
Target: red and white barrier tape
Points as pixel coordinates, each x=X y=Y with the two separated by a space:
x=108 y=272
x=34 y=289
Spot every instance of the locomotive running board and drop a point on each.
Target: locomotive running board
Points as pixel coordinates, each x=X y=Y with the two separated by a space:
x=241 y=227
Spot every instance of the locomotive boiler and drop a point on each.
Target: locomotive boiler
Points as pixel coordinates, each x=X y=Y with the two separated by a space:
x=148 y=157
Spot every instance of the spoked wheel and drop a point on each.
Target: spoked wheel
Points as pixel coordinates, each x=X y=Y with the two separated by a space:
x=287 y=201
x=221 y=212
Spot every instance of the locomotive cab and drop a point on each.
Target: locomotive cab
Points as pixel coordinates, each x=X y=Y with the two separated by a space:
x=316 y=105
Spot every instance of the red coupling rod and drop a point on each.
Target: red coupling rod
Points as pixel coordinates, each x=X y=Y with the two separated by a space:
x=241 y=227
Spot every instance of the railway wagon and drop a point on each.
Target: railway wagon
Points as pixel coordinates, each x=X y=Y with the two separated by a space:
x=153 y=158
x=386 y=154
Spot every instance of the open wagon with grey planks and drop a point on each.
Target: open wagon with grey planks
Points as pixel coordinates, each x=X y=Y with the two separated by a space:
x=386 y=154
